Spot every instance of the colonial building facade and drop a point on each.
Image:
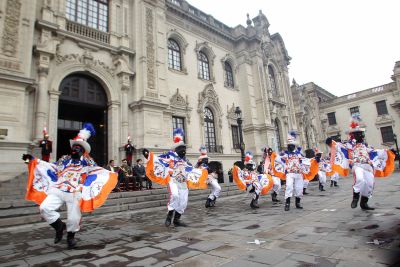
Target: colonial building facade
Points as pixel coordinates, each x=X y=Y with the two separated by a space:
x=144 y=67
x=320 y=114
x=138 y=68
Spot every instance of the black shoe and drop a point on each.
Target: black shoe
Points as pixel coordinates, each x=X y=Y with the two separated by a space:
x=322 y=188
x=208 y=202
x=335 y=184
x=298 y=205
x=212 y=203
x=59 y=226
x=252 y=190
x=364 y=204
x=274 y=199
x=304 y=191
x=71 y=240
x=331 y=183
x=177 y=220
x=356 y=197
x=287 y=204
x=168 y=220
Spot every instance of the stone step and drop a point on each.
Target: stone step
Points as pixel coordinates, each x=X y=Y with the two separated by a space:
x=27 y=212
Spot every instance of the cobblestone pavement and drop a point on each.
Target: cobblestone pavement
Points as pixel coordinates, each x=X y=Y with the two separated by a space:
x=326 y=233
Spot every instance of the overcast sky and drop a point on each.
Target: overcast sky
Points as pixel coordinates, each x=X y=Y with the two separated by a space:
x=342 y=45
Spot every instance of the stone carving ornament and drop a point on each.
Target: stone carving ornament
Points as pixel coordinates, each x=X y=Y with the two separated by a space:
x=10 y=32
x=150 y=49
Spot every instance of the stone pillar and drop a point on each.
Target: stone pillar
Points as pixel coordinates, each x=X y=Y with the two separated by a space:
x=42 y=103
x=124 y=119
x=53 y=121
x=114 y=130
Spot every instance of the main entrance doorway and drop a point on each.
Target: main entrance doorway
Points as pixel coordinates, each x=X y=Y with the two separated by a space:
x=82 y=100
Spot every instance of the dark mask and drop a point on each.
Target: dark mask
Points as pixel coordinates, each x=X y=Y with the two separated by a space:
x=204 y=161
x=291 y=147
x=181 y=151
x=359 y=136
x=269 y=151
x=76 y=151
x=250 y=167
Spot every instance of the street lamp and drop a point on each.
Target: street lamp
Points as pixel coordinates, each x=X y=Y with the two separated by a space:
x=397 y=148
x=239 y=120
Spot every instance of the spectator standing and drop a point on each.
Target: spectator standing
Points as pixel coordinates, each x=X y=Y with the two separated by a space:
x=140 y=173
x=129 y=149
x=46 y=145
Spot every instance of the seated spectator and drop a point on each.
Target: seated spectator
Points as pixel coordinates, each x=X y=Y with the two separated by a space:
x=140 y=173
x=126 y=171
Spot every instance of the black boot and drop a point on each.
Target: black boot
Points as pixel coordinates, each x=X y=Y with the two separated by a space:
x=322 y=188
x=319 y=186
x=356 y=197
x=364 y=204
x=208 y=202
x=274 y=199
x=298 y=205
x=304 y=191
x=168 y=220
x=212 y=203
x=254 y=203
x=287 y=204
x=59 y=226
x=331 y=183
x=71 y=240
x=177 y=220
x=335 y=184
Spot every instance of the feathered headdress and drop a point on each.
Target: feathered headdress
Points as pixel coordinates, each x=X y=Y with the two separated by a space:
x=178 y=138
x=83 y=135
x=292 y=138
x=248 y=158
x=355 y=123
x=45 y=133
x=203 y=152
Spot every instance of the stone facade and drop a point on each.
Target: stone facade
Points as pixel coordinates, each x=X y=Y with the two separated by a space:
x=313 y=104
x=130 y=62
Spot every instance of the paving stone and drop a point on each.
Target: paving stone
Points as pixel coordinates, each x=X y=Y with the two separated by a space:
x=18 y=263
x=150 y=262
x=109 y=260
x=139 y=244
x=266 y=256
x=45 y=258
x=142 y=252
x=202 y=260
x=206 y=245
x=170 y=244
x=242 y=263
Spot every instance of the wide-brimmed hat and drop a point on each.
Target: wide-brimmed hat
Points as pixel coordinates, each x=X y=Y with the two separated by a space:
x=82 y=137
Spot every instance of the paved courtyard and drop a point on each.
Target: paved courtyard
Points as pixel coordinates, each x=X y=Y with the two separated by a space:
x=326 y=233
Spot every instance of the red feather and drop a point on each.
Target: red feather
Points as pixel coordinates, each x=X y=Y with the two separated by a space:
x=177 y=139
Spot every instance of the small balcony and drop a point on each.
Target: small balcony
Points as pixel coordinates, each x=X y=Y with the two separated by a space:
x=88 y=32
x=215 y=149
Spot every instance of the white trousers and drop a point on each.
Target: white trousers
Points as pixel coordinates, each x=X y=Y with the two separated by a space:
x=322 y=177
x=178 y=197
x=305 y=183
x=335 y=177
x=215 y=189
x=53 y=202
x=294 y=182
x=363 y=181
x=277 y=184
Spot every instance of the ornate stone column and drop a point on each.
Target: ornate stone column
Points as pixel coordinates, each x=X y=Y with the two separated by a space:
x=53 y=120
x=124 y=107
x=42 y=103
x=113 y=130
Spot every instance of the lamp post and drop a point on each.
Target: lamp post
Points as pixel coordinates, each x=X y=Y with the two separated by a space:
x=239 y=120
x=397 y=148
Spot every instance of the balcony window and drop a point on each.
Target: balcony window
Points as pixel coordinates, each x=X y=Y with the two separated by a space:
x=92 y=13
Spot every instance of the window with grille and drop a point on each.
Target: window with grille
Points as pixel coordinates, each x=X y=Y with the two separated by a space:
x=179 y=122
x=229 y=75
x=92 y=13
x=235 y=136
x=331 y=118
x=174 y=55
x=387 y=134
x=272 y=80
x=381 y=107
x=354 y=111
x=209 y=131
x=204 y=66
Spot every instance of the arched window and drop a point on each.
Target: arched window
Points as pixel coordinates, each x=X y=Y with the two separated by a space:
x=277 y=136
x=204 y=67
x=272 y=80
x=174 y=55
x=229 y=75
x=209 y=131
